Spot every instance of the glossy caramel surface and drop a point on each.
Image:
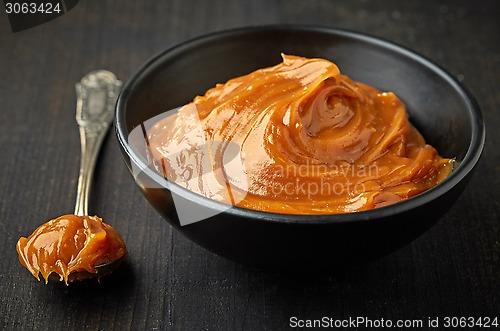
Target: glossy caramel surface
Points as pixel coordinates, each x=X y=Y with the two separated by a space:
x=70 y=244
x=297 y=138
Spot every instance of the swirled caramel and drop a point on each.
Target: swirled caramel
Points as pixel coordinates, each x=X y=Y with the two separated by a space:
x=70 y=244
x=309 y=141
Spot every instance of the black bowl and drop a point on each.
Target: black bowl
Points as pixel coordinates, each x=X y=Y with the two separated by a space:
x=438 y=105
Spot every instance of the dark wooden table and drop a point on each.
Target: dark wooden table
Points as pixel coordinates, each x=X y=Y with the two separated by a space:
x=170 y=283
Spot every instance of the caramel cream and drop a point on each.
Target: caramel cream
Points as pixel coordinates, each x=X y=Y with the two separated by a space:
x=70 y=244
x=310 y=141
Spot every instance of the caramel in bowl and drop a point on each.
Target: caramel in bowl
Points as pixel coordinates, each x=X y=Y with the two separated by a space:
x=311 y=141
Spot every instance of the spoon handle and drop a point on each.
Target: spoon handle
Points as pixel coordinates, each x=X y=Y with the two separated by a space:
x=96 y=98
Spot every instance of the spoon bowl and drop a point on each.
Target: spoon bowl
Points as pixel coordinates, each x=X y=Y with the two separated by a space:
x=101 y=271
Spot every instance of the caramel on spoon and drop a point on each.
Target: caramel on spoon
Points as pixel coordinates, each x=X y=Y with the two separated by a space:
x=78 y=246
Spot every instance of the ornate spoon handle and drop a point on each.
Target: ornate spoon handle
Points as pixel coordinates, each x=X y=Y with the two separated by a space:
x=96 y=98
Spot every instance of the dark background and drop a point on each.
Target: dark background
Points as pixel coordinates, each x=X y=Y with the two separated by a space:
x=169 y=283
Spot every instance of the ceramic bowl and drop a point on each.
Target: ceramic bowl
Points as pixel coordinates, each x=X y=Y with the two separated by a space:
x=443 y=111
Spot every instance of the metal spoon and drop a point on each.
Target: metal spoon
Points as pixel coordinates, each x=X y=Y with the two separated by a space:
x=96 y=98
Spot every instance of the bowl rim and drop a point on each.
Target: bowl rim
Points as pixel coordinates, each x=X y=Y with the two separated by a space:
x=469 y=161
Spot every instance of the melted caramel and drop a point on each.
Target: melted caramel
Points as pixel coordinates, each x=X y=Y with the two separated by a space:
x=310 y=141
x=70 y=244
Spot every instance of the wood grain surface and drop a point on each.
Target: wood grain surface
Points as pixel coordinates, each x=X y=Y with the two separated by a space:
x=169 y=283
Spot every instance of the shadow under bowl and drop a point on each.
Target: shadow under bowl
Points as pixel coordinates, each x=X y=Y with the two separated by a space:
x=443 y=111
